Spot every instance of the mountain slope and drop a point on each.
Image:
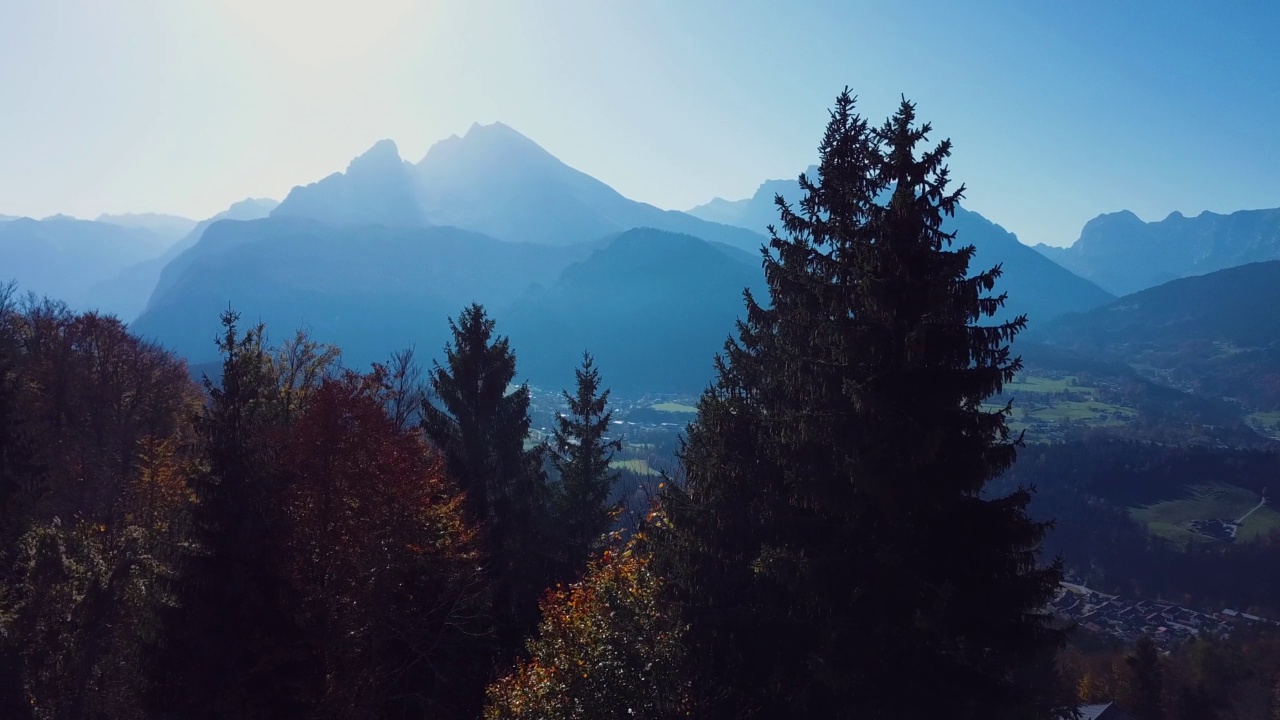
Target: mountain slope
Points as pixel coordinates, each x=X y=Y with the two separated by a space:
x=376 y=188
x=371 y=289
x=653 y=307
x=125 y=294
x=498 y=182
x=63 y=257
x=1216 y=334
x=1036 y=286
x=1123 y=254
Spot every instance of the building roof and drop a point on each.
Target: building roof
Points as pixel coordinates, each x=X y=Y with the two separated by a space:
x=1105 y=711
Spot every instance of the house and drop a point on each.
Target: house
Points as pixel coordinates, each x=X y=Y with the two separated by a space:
x=1106 y=711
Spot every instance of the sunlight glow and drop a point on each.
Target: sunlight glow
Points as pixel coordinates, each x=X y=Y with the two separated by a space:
x=322 y=33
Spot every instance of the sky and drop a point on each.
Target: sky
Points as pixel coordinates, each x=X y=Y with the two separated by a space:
x=1058 y=111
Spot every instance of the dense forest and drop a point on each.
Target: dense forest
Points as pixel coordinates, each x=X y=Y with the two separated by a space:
x=851 y=529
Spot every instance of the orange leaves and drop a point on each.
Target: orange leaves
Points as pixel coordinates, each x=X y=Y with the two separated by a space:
x=378 y=551
x=106 y=408
x=608 y=647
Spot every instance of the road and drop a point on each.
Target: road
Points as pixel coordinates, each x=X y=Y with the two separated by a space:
x=1261 y=502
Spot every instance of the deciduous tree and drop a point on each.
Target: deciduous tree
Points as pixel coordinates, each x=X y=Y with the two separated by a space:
x=383 y=565
x=609 y=647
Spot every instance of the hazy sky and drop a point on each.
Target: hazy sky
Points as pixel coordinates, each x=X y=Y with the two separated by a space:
x=1059 y=111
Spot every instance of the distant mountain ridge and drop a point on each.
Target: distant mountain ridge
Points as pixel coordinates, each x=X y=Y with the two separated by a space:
x=376 y=188
x=171 y=228
x=1216 y=334
x=1123 y=254
x=1038 y=287
x=757 y=212
x=657 y=306
x=63 y=257
x=494 y=181
x=126 y=293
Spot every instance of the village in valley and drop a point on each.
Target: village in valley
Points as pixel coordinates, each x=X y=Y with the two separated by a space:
x=1128 y=620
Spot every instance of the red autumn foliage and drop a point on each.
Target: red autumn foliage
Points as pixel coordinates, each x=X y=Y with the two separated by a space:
x=386 y=570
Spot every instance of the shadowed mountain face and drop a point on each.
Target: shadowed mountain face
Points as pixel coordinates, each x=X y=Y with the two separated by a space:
x=377 y=188
x=1123 y=254
x=654 y=306
x=125 y=294
x=62 y=257
x=1039 y=288
x=1216 y=334
x=370 y=289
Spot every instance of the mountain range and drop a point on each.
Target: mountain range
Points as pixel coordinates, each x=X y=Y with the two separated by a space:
x=1215 y=334
x=1036 y=286
x=495 y=181
x=62 y=256
x=126 y=292
x=376 y=257
x=169 y=228
x=1123 y=254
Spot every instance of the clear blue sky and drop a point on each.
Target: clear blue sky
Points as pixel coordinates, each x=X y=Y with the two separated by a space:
x=1059 y=111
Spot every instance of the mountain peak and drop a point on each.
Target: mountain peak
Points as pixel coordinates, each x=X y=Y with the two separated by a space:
x=382 y=154
x=377 y=188
x=248 y=209
x=496 y=128
x=493 y=141
x=1123 y=218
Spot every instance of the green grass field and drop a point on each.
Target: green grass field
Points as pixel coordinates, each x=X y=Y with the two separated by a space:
x=1170 y=519
x=1043 y=385
x=1091 y=412
x=673 y=407
x=1260 y=523
x=1267 y=421
x=638 y=466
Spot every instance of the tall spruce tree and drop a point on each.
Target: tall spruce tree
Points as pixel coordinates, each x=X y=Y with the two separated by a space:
x=1144 y=686
x=832 y=545
x=480 y=426
x=583 y=453
x=226 y=646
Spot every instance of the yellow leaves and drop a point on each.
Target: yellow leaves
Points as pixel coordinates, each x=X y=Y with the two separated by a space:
x=607 y=647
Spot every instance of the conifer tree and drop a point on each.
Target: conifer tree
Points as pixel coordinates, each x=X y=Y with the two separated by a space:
x=1145 y=682
x=480 y=426
x=582 y=457
x=832 y=546
x=225 y=647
